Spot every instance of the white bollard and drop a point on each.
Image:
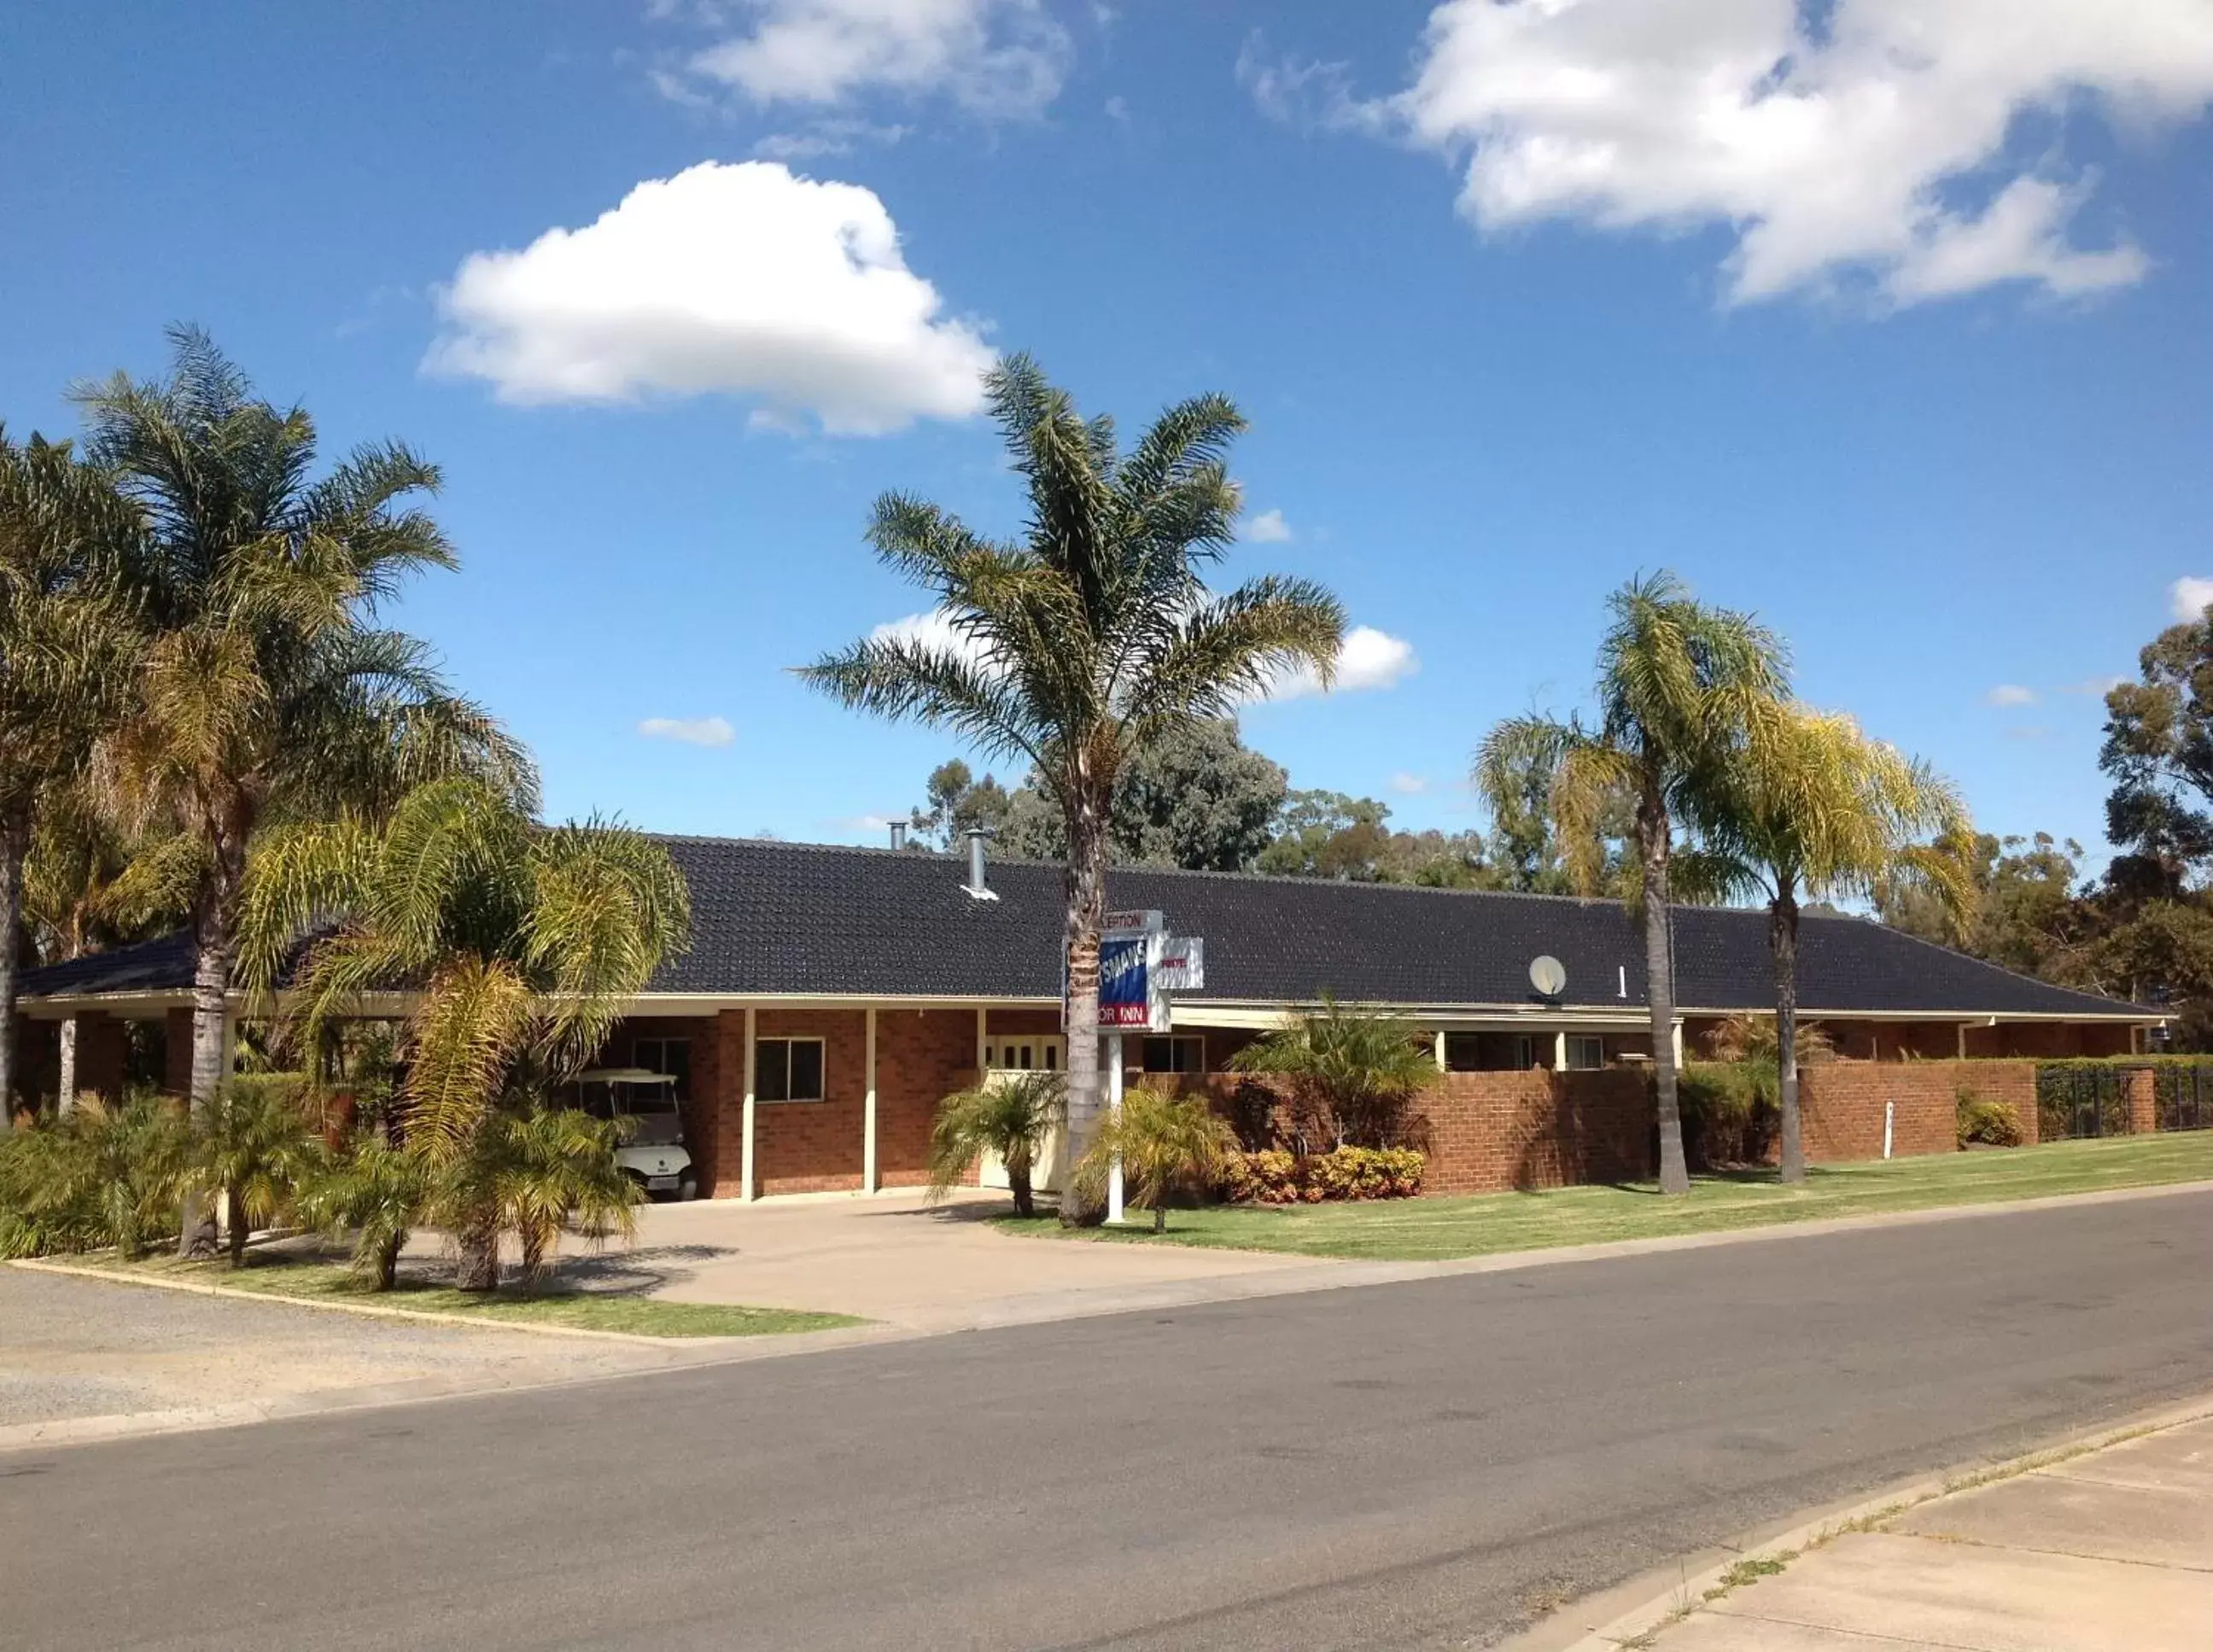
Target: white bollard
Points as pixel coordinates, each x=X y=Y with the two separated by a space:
x=1114 y=1212
x=1889 y=1125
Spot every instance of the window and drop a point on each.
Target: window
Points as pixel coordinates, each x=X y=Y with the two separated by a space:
x=1463 y=1052
x=788 y=1069
x=670 y=1057
x=1585 y=1052
x=1022 y=1054
x=1176 y=1055
x=1525 y=1052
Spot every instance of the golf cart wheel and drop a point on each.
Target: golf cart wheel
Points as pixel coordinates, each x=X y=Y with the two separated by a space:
x=687 y=1187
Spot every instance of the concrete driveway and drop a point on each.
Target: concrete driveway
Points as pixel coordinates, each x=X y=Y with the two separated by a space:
x=897 y=1259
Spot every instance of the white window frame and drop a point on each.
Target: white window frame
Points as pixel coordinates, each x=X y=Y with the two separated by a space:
x=1525 y=1052
x=997 y=1047
x=1590 y=1044
x=760 y=1070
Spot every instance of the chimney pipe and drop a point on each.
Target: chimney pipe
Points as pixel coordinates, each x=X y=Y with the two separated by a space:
x=976 y=885
x=898 y=834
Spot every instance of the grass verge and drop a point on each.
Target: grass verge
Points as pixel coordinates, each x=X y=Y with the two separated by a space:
x=1428 y=1229
x=318 y=1281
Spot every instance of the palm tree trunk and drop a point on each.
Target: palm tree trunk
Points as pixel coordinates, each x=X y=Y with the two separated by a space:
x=388 y=1261
x=213 y=948
x=1653 y=833
x=1782 y=937
x=1087 y=908
x=479 y=1267
x=66 y=1090
x=235 y=1213
x=13 y=837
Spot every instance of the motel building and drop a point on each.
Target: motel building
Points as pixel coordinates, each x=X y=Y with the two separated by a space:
x=833 y=996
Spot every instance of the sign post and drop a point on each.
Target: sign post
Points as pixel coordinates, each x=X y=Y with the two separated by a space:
x=1125 y=996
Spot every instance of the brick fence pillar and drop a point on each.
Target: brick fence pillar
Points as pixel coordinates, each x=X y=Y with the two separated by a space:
x=2143 y=1101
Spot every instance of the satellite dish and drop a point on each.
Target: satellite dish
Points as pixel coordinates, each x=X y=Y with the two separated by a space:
x=1548 y=976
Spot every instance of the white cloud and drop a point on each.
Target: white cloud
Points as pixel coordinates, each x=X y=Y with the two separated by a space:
x=689 y=731
x=934 y=629
x=826 y=137
x=1368 y=658
x=2010 y=694
x=2188 y=596
x=1409 y=785
x=741 y=278
x=1269 y=527
x=1915 y=143
x=995 y=58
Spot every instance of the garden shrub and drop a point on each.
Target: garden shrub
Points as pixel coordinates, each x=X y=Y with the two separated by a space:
x=101 y=1175
x=1277 y=1177
x=1731 y=1114
x=1985 y=1123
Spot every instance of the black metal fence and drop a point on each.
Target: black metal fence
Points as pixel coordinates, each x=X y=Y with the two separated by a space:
x=2182 y=1095
x=2074 y=1101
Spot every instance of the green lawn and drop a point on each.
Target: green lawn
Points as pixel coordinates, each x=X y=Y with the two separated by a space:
x=1431 y=1229
x=313 y=1279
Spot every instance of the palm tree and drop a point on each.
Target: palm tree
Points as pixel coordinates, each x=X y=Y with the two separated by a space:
x=1810 y=804
x=552 y=1166
x=514 y=947
x=67 y=539
x=253 y=1147
x=372 y=1189
x=1679 y=686
x=1090 y=640
x=1354 y=1073
x=1162 y=1140
x=268 y=693
x=1009 y=1114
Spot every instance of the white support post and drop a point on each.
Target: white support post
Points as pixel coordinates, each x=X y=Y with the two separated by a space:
x=869 y=1179
x=983 y=1043
x=1440 y=1048
x=1114 y=1211
x=1560 y=1051
x=1963 y=1042
x=751 y=1190
x=1675 y=1038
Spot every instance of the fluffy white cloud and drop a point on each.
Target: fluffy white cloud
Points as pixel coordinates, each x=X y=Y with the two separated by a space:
x=1409 y=785
x=689 y=731
x=2188 y=596
x=1269 y=527
x=2010 y=694
x=1916 y=143
x=995 y=58
x=1368 y=658
x=742 y=278
x=2097 y=687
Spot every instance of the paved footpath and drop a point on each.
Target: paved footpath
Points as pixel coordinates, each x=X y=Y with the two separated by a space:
x=2108 y=1552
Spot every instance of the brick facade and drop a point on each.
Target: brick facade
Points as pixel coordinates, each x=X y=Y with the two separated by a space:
x=1843 y=1104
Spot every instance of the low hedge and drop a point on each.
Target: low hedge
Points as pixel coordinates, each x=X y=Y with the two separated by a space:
x=1984 y=1123
x=1277 y=1177
x=1731 y=1113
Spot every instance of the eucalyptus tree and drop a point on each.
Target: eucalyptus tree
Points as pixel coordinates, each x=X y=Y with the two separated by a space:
x=508 y=949
x=1809 y=805
x=1679 y=686
x=1090 y=640
x=268 y=691
x=67 y=545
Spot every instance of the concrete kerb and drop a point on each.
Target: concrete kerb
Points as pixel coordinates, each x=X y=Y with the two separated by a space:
x=1632 y=1614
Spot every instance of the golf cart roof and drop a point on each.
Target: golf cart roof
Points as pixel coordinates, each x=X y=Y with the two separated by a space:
x=623 y=1076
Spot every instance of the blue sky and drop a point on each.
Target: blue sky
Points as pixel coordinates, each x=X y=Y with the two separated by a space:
x=1893 y=323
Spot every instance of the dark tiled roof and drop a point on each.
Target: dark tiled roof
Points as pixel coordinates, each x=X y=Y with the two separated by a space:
x=805 y=919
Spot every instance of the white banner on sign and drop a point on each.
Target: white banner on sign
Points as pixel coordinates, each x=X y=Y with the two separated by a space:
x=1145 y=922
x=1179 y=966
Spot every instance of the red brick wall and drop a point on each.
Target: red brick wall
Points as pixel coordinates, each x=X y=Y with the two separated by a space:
x=1843 y=1104
x=922 y=1057
x=2144 y=1101
x=2047 y=1040
x=1491 y=1132
x=100 y=1056
x=800 y=1147
x=177 y=1052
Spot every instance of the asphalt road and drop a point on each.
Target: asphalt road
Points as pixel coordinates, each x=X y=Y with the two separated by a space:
x=1395 y=1466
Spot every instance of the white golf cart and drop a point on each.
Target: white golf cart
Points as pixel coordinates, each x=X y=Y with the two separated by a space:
x=653 y=1150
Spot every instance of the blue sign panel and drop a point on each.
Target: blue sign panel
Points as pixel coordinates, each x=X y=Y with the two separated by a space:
x=1123 y=1000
